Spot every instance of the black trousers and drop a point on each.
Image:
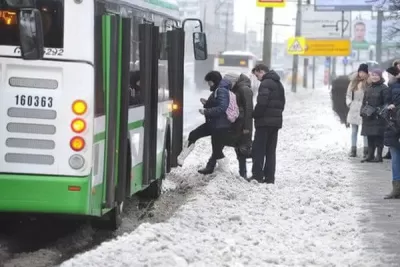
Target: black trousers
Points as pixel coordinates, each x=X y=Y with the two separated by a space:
x=218 y=142
x=375 y=141
x=264 y=153
x=198 y=133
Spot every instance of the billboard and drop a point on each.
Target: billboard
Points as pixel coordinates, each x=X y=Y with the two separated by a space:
x=364 y=32
x=351 y=5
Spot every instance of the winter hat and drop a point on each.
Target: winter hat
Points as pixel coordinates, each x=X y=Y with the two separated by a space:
x=393 y=70
x=232 y=77
x=377 y=72
x=363 y=67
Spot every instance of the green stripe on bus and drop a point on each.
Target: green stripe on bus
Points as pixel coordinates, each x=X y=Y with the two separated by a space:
x=163 y=4
x=107 y=47
x=119 y=89
x=131 y=126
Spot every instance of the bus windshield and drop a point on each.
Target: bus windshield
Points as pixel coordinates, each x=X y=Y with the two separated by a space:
x=52 y=18
x=233 y=61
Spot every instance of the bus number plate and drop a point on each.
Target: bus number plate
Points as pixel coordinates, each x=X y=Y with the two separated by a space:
x=34 y=101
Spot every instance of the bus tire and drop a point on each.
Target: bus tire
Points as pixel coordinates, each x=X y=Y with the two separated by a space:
x=154 y=190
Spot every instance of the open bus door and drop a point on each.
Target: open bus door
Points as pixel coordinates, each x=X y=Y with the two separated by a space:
x=176 y=60
x=149 y=55
x=112 y=36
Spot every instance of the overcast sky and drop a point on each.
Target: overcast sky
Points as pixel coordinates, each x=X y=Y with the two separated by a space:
x=247 y=10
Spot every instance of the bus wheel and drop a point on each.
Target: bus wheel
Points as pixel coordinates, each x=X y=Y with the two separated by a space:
x=153 y=191
x=110 y=221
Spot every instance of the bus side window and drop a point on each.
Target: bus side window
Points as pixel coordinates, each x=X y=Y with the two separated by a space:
x=136 y=94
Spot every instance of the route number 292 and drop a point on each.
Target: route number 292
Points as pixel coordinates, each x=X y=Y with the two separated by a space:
x=34 y=101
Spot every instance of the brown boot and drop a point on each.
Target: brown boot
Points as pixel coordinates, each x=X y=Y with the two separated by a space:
x=395 y=191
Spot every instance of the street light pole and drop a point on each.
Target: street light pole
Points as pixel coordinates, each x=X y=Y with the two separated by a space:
x=296 y=57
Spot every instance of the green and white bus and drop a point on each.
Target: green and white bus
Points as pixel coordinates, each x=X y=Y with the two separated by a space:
x=75 y=136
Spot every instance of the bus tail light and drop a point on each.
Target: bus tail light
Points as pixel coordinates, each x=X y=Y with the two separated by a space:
x=79 y=107
x=77 y=143
x=78 y=125
x=76 y=162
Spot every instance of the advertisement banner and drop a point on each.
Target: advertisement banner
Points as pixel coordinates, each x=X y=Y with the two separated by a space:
x=351 y=5
x=363 y=34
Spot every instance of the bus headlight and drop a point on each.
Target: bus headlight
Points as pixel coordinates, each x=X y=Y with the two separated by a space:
x=76 y=162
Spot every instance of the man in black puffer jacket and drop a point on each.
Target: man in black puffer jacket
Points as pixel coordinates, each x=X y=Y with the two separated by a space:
x=267 y=120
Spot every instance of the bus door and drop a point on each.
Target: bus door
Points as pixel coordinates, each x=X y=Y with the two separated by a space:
x=148 y=60
x=176 y=58
x=113 y=60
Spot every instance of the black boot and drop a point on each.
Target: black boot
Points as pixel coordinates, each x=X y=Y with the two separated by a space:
x=353 y=152
x=388 y=155
x=209 y=169
x=258 y=179
x=371 y=155
x=365 y=152
x=378 y=157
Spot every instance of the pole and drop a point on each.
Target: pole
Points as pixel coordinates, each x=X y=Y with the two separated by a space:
x=204 y=15
x=342 y=35
x=313 y=72
x=296 y=57
x=245 y=35
x=305 y=73
x=267 y=43
x=226 y=27
x=379 y=37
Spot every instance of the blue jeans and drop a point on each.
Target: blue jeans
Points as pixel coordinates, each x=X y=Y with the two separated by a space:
x=395 y=163
x=354 y=135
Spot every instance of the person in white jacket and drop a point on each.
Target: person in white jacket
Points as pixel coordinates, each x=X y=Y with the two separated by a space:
x=354 y=99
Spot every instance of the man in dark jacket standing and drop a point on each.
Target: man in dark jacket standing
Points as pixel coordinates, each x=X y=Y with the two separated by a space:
x=268 y=119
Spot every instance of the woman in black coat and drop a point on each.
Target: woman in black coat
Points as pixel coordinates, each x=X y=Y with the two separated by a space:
x=392 y=133
x=373 y=126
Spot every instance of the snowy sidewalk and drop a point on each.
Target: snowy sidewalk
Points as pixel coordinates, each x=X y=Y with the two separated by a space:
x=382 y=221
x=315 y=214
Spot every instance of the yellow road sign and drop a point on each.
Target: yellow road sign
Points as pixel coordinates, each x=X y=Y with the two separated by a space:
x=327 y=47
x=296 y=46
x=271 y=3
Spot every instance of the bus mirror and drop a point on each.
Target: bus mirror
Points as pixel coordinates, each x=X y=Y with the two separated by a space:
x=200 y=46
x=163 y=46
x=31 y=34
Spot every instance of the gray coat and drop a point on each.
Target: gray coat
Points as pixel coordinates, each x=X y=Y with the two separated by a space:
x=374 y=96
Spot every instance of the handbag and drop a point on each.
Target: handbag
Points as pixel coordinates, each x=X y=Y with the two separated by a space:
x=367 y=110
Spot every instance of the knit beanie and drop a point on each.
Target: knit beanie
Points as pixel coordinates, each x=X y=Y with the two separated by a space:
x=377 y=72
x=393 y=70
x=363 y=67
x=232 y=77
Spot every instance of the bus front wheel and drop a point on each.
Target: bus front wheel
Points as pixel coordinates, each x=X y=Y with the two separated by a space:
x=154 y=190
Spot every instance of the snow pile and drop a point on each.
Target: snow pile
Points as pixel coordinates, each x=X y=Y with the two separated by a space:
x=308 y=218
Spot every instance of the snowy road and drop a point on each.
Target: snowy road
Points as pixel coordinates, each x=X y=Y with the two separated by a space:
x=311 y=217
